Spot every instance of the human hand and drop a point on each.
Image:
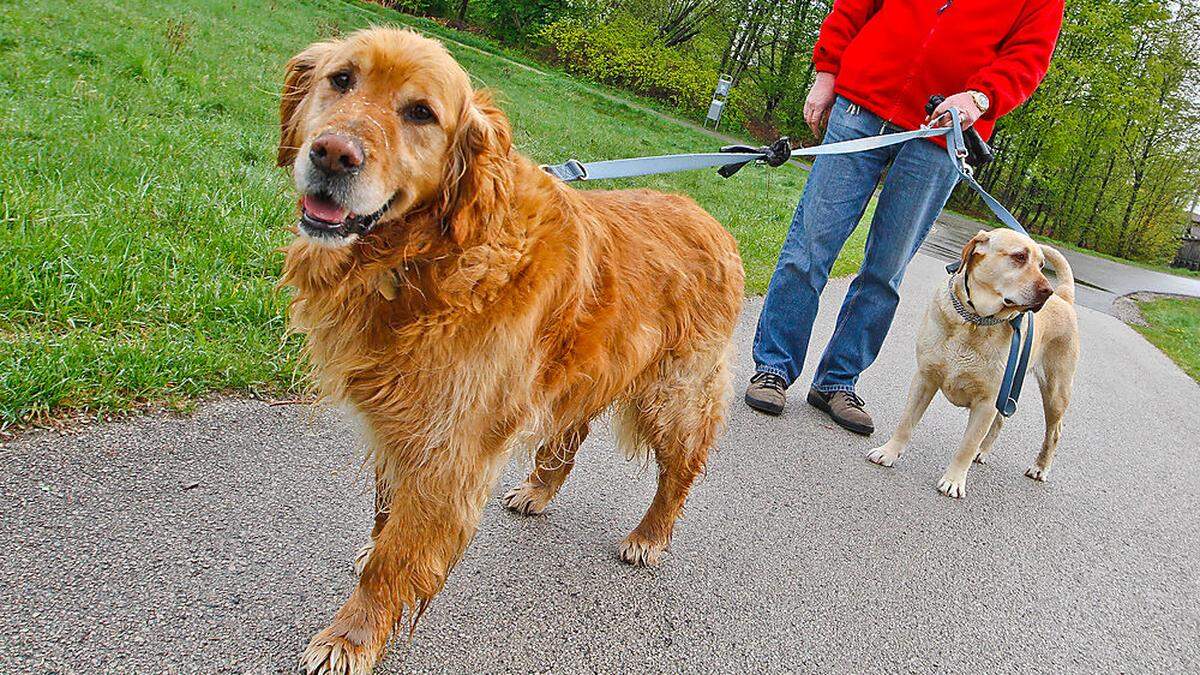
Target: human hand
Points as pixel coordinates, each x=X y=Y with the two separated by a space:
x=968 y=112
x=819 y=102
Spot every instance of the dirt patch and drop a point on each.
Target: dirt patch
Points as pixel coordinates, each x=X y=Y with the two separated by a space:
x=72 y=421
x=1126 y=307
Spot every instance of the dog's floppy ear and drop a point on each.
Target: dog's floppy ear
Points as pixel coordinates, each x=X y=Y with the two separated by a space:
x=296 y=85
x=972 y=247
x=479 y=173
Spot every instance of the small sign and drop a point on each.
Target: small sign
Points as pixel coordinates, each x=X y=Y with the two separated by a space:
x=720 y=94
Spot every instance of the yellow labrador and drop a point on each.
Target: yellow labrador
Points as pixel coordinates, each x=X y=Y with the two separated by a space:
x=964 y=341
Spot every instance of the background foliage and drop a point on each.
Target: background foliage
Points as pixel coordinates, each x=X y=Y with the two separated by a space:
x=1104 y=156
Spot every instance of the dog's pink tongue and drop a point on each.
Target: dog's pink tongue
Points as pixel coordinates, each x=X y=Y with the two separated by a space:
x=324 y=209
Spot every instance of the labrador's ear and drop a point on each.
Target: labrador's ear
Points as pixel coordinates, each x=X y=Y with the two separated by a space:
x=479 y=174
x=296 y=85
x=977 y=246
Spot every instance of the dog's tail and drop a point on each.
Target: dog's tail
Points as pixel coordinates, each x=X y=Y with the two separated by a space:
x=1066 y=278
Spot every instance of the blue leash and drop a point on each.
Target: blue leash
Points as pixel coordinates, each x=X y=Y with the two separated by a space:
x=733 y=158
x=1014 y=370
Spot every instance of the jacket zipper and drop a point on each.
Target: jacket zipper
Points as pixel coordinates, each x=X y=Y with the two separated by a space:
x=928 y=35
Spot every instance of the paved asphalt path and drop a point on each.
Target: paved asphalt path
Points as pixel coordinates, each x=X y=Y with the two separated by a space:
x=221 y=541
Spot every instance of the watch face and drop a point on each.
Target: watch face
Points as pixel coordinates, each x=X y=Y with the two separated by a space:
x=981 y=100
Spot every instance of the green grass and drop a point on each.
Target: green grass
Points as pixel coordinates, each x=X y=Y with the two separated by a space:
x=141 y=206
x=1174 y=327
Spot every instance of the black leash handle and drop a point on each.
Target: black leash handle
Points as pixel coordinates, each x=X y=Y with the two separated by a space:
x=775 y=154
x=979 y=152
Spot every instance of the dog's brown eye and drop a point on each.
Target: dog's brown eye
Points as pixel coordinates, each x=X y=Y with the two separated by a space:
x=419 y=113
x=341 y=81
x=1020 y=257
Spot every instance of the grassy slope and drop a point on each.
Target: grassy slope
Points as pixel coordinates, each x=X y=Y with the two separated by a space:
x=1174 y=327
x=141 y=205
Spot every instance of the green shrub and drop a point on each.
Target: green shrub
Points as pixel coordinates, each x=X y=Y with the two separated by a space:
x=422 y=7
x=515 y=21
x=622 y=51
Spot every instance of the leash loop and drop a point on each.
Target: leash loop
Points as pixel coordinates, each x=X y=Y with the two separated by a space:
x=1018 y=365
x=955 y=141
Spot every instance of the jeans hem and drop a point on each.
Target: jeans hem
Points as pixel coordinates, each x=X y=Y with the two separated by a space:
x=830 y=389
x=772 y=370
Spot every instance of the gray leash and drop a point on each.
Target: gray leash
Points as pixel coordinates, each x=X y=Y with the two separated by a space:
x=738 y=156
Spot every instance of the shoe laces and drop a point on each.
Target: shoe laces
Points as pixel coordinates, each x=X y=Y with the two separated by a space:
x=852 y=400
x=769 y=379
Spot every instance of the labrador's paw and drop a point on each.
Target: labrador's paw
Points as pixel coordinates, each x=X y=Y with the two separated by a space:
x=883 y=456
x=952 y=486
x=1038 y=473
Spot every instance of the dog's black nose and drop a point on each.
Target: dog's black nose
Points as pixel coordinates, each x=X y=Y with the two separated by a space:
x=1042 y=294
x=336 y=154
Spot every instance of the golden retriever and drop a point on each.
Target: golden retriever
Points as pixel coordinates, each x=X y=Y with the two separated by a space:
x=1000 y=276
x=460 y=300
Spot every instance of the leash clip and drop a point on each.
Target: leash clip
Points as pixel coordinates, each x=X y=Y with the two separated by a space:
x=964 y=167
x=570 y=170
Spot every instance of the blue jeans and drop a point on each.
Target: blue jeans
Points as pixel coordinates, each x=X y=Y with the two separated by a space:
x=917 y=186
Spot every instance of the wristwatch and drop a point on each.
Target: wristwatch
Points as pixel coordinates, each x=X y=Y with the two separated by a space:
x=981 y=100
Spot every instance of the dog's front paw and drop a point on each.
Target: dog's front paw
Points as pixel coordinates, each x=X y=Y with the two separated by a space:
x=362 y=556
x=528 y=499
x=982 y=457
x=883 y=456
x=640 y=551
x=330 y=654
x=1038 y=473
x=952 y=486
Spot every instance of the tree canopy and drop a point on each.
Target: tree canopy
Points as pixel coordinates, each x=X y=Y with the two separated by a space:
x=1103 y=156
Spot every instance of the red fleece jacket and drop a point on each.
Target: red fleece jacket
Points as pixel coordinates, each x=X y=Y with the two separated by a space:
x=890 y=56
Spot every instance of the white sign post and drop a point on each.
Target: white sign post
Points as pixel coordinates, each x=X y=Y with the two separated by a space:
x=720 y=94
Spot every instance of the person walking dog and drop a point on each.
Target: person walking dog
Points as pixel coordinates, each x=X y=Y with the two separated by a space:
x=877 y=63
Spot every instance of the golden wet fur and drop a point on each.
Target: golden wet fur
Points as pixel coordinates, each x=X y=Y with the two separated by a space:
x=491 y=305
x=1003 y=271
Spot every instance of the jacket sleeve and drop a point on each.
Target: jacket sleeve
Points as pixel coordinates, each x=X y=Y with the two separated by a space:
x=838 y=29
x=1023 y=59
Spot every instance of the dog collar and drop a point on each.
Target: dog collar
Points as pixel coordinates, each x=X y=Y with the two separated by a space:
x=966 y=314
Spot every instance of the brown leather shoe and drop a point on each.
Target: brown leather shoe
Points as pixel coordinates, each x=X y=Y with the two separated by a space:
x=767 y=393
x=845 y=408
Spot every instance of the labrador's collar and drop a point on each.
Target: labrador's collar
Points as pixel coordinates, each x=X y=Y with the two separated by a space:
x=966 y=314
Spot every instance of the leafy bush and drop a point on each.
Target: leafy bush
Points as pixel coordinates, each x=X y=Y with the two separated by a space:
x=514 y=21
x=623 y=51
x=421 y=7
